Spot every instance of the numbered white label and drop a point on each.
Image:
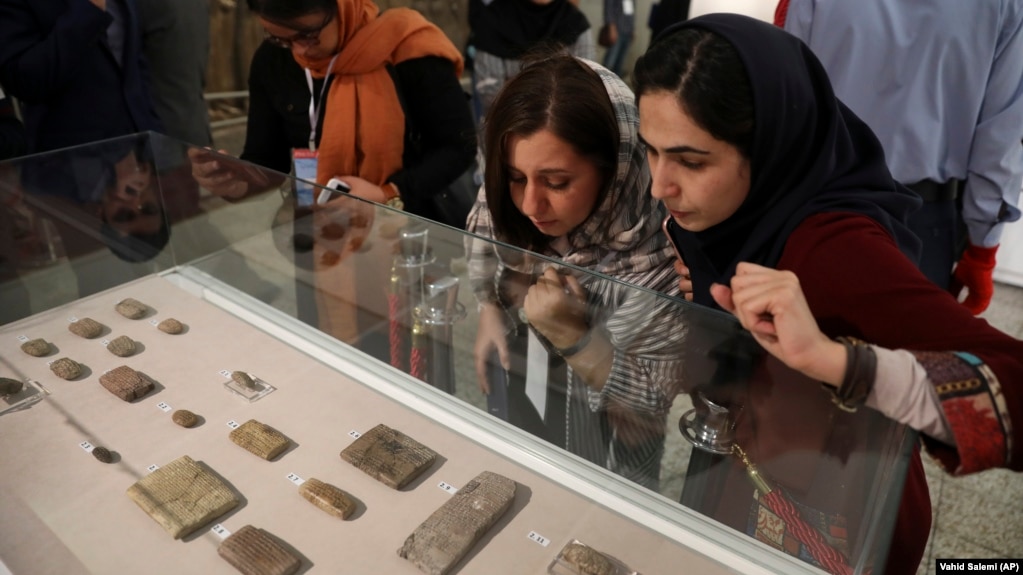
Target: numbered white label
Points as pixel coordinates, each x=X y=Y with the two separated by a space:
x=295 y=479
x=537 y=538
x=225 y=373
x=51 y=361
x=162 y=406
x=233 y=424
x=72 y=319
x=355 y=434
x=86 y=446
x=22 y=338
x=152 y=468
x=154 y=322
x=105 y=342
x=447 y=487
x=220 y=530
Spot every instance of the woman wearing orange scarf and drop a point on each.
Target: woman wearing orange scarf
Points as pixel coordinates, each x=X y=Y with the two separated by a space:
x=377 y=95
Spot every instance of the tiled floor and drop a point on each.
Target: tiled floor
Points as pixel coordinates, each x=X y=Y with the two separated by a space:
x=981 y=515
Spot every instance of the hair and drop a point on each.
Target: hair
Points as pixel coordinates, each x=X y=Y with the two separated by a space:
x=708 y=77
x=565 y=96
x=284 y=10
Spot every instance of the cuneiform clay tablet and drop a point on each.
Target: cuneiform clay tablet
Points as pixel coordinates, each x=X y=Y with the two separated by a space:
x=253 y=551
x=389 y=456
x=10 y=386
x=122 y=346
x=126 y=383
x=328 y=498
x=587 y=560
x=102 y=454
x=184 y=418
x=243 y=379
x=66 y=368
x=131 y=308
x=86 y=327
x=450 y=531
x=36 y=347
x=260 y=439
x=171 y=326
x=182 y=496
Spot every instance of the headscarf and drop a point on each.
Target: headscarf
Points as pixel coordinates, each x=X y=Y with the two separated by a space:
x=363 y=130
x=510 y=28
x=622 y=237
x=810 y=154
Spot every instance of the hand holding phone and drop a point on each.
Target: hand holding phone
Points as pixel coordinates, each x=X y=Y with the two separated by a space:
x=334 y=188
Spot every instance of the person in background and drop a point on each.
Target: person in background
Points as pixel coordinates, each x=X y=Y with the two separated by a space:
x=787 y=216
x=375 y=95
x=616 y=34
x=12 y=131
x=565 y=178
x=176 y=42
x=503 y=31
x=77 y=70
x=664 y=14
x=946 y=101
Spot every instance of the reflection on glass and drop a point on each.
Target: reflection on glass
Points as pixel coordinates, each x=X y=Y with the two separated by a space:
x=401 y=290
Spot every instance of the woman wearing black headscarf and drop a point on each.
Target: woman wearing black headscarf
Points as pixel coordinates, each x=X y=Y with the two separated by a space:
x=787 y=216
x=503 y=31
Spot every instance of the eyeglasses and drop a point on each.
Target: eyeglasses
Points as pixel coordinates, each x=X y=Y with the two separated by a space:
x=304 y=38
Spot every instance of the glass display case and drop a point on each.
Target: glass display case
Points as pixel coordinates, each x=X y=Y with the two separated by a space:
x=218 y=364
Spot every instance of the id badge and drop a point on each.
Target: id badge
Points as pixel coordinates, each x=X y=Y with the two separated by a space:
x=304 y=161
x=628 y=7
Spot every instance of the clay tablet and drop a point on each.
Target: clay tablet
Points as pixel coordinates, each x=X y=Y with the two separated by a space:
x=243 y=379
x=328 y=498
x=131 y=308
x=126 y=383
x=260 y=439
x=66 y=368
x=122 y=346
x=10 y=386
x=182 y=496
x=86 y=327
x=184 y=418
x=36 y=347
x=389 y=456
x=448 y=534
x=587 y=560
x=171 y=326
x=102 y=454
x=253 y=551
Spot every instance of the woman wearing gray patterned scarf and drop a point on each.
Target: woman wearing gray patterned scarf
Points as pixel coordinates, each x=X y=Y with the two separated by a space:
x=585 y=362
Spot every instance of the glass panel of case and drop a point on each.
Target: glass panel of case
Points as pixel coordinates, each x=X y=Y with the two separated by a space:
x=680 y=409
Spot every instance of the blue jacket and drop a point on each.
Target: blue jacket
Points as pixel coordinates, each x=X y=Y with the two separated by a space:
x=55 y=60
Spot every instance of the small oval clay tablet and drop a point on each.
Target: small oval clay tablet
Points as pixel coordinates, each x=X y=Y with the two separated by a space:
x=66 y=368
x=38 y=347
x=243 y=379
x=131 y=308
x=122 y=346
x=102 y=454
x=10 y=386
x=86 y=327
x=184 y=418
x=171 y=326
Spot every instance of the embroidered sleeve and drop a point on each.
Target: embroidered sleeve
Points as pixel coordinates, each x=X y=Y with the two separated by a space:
x=971 y=397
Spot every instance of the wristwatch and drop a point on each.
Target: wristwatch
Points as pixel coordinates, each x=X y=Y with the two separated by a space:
x=393 y=196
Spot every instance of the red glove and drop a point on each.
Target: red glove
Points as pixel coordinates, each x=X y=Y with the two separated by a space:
x=974 y=272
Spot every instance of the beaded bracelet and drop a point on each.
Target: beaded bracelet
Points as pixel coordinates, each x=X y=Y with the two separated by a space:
x=860 y=373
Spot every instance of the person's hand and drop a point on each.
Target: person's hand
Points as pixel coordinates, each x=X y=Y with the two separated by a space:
x=210 y=174
x=685 y=281
x=101 y=4
x=771 y=305
x=364 y=189
x=556 y=306
x=490 y=335
x=975 y=272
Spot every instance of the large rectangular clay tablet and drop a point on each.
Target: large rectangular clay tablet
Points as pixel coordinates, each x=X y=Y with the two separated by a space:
x=255 y=552
x=389 y=456
x=448 y=534
x=182 y=496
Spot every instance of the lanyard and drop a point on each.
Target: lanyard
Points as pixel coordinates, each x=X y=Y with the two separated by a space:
x=314 y=109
